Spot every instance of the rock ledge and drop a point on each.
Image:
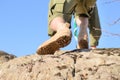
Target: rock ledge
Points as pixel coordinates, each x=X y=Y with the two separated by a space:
x=100 y=64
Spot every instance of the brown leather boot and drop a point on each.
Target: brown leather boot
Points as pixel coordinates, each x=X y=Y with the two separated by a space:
x=61 y=39
x=83 y=44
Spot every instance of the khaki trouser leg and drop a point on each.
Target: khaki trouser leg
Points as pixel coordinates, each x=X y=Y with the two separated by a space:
x=89 y=4
x=95 y=28
x=60 y=8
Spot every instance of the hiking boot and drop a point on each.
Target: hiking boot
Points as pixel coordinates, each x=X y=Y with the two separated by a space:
x=61 y=39
x=83 y=44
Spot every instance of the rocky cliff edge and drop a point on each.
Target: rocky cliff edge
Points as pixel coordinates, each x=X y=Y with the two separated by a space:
x=99 y=64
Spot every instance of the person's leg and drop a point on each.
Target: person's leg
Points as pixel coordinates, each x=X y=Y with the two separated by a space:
x=57 y=24
x=59 y=19
x=82 y=22
x=84 y=9
x=61 y=39
x=94 y=28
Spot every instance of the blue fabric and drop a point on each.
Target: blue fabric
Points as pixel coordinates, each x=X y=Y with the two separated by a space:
x=75 y=30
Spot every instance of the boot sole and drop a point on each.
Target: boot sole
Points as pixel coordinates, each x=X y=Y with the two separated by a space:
x=53 y=45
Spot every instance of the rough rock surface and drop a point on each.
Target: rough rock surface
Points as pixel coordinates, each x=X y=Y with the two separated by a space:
x=101 y=64
x=5 y=57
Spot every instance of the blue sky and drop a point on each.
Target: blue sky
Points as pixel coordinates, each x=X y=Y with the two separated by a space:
x=23 y=25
